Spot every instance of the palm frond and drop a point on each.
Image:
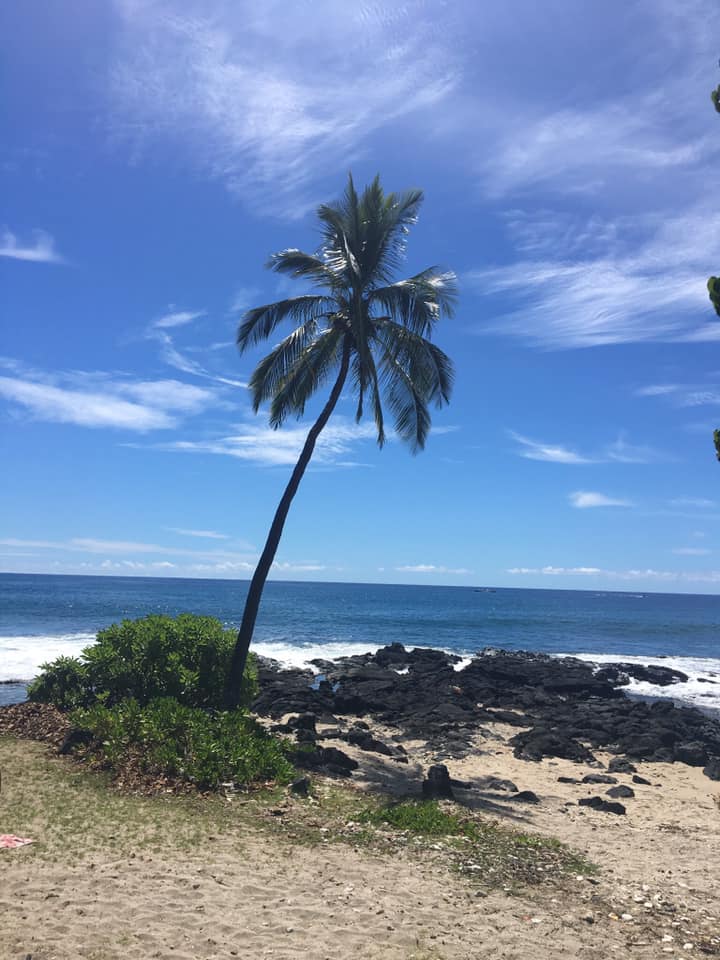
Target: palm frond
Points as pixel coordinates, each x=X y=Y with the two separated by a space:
x=272 y=371
x=386 y=223
x=408 y=407
x=309 y=371
x=260 y=322
x=302 y=265
x=420 y=301
x=428 y=367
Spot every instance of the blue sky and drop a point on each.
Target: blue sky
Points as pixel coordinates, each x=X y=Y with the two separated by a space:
x=155 y=153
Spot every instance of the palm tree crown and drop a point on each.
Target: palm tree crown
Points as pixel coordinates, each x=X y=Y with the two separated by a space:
x=383 y=327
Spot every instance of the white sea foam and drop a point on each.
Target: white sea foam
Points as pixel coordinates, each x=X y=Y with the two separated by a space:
x=21 y=657
x=696 y=690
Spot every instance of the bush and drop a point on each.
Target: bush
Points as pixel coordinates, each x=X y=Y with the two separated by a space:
x=185 y=657
x=63 y=682
x=165 y=737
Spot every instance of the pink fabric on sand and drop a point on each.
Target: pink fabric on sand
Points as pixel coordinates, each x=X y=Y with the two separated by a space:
x=9 y=841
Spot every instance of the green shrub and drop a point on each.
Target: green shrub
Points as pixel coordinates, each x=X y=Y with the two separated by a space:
x=64 y=682
x=169 y=738
x=185 y=657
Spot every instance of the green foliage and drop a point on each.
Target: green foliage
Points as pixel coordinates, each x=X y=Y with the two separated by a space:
x=715 y=97
x=167 y=738
x=64 y=683
x=417 y=816
x=185 y=657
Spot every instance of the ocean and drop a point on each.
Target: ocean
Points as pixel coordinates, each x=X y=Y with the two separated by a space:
x=42 y=617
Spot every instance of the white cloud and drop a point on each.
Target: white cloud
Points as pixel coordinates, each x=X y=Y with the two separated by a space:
x=561 y=303
x=431 y=568
x=658 y=390
x=260 y=106
x=587 y=498
x=632 y=575
x=179 y=318
x=85 y=409
x=98 y=545
x=208 y=534
x=533 y=450
x=261 y=444
x=691 y=551
x=620 y=451
x=575 y=150
x=550 y=571
x=96 y=400
x=41 y=251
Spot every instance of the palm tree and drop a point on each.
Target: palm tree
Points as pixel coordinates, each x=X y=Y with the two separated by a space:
x=361 y=326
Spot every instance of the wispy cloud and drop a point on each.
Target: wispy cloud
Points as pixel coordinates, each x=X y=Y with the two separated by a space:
x=633 y=575
x=42 y=250
x=550 y=571
x=178 y=318
x=261 y=107
x=96 y=400
x=132 y=548
x=207 y=534
x=179 y=361
x=552 y=453
x=583 y=499
x=570 y=303
x=432 y=568
x=691 y=551
x=619 y=451
x=575 y=150
x=262 y=445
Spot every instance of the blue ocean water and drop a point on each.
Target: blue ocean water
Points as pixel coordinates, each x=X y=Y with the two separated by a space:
x=43 y=616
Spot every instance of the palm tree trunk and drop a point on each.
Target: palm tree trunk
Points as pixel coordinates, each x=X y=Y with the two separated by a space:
x=257 y=584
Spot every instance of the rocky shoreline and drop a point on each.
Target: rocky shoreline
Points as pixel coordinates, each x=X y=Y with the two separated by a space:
x=564 y=708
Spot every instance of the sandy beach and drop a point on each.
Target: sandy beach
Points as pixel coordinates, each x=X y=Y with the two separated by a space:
x=113 y=876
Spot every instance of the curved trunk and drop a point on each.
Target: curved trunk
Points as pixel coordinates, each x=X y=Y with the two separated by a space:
x=257 y=584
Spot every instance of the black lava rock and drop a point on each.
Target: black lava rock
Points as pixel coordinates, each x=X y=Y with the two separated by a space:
x=606 y=806
x=712 y=770
x=641 y=780
x=621 y=765
x=436 y=785
x=525 y=796
x=598 y=778
x=301 y=786
x=620 y=791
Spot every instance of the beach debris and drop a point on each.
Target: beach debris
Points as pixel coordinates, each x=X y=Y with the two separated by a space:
x=436 y=785
x=605 y=806
x=8 y=841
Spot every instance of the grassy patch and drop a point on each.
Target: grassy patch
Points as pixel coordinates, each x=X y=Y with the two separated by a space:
x=75 y=815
